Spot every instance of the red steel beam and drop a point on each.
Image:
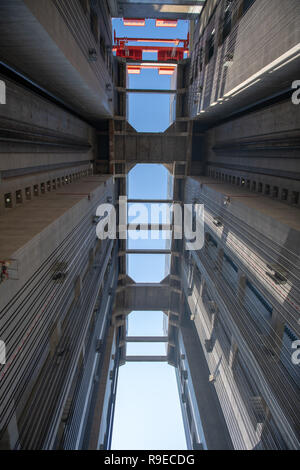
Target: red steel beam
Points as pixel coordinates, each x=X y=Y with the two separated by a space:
x=134 y=21
x=166 y=23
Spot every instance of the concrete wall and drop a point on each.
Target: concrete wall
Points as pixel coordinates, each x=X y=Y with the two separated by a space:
x=258 y=58
x=242 y=342
x=40 y=142
x=52 y=48
x=260 y=148
x=39 y=315
x=174 y=9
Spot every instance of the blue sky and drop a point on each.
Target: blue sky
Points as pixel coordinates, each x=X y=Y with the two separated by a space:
x=148 y=414
x=147 y=182
x=147 y=409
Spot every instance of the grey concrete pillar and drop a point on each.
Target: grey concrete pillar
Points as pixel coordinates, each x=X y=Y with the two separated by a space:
x=77 y=287
x=220 y=258
x=202 y=286
x=212 y=419
x=11 y=435
x=276 y=335
x=241 y=286
x=55 y=337
x=233 y=353
x=98 y=415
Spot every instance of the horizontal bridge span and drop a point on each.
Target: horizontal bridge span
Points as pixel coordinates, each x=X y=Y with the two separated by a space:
x=150 y=148
x=148 y=252
x=146 y=358
x=147 y=339
x=148 y=90
x=144 y=297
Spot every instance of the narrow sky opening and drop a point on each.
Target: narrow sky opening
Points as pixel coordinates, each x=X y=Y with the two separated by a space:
x=148 y=413
x=147 y=181
x=147 y=268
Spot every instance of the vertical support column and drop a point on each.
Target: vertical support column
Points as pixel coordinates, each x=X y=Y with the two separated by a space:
x=11 y=435
x=91 y=258
x=219 y=262
x=55 y=337
x=241 y=286
x=98 y=415
x=77 y=288
x=233 y=353
x=214 y=317
x=276 y=334
x=202 y=286
x=212 y=419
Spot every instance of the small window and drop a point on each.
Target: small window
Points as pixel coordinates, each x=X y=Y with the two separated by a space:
x=254 y=186
x=36 y=190
x=275 y=192
x=58 y=182
x=227 y=22
x=295 y=197
x=267 y=189
x=260 y=187
x=95 y=25
x=19 y=198
x=54 y=184
x=210 y=46
x=201 y=60
x=8 y=200
x=284 y=195
x=43 y=188
x=232 y=264
x=28 y=193
x=48 y=185
x=102 y=47
x=233 y=180
x=243 y=182
x=210 y=240
x=259 y=296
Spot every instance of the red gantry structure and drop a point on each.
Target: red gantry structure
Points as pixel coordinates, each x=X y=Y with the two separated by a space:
x=162 y=70
x=142 y=22
x=164 y=53
x=166 y=23
x=134 y=22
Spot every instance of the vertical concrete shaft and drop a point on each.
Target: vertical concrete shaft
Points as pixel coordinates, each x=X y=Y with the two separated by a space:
x=213 y=423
